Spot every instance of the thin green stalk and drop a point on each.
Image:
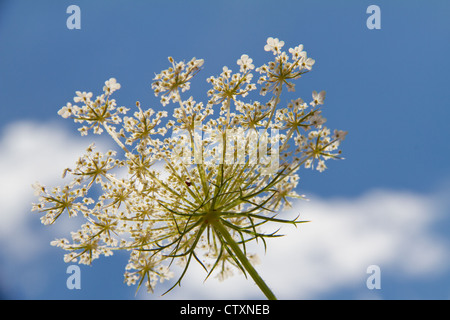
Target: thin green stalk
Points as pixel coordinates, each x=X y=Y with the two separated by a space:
x=243 y=259
x=274 y=107
x=200 y=166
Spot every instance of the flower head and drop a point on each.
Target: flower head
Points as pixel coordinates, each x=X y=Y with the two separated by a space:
x=281 y=71
x=176 y=77
x=202 y=194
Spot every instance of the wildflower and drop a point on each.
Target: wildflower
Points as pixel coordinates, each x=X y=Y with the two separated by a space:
x=317 y=120
x=111 y=85
x=318 y=98
x=67 y=110
x=296 y=52
x=228 y=86
x=206 y=208
x=245 y=63
x=339 y=134
x=83 y=96
x=280 y=71
x=176 y=77
x=274 y=45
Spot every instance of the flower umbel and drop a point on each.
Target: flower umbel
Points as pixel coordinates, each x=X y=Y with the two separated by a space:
x=172 y=207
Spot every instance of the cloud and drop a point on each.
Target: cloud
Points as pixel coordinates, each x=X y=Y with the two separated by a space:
x=30 y=152
x=390 y=229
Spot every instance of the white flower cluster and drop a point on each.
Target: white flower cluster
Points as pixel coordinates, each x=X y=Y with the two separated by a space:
x=95 y=113
x=175 y=78
x=201 y=210
x=279 y=71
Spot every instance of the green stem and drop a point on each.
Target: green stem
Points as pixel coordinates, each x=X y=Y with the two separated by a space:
x=274 y=107
x=243 y=259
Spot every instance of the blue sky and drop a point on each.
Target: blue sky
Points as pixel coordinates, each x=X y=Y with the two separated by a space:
x=388 y=88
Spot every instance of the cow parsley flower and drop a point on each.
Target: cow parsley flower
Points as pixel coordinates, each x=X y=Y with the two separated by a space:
x=245 y=63
x=274 y=45
x=227 y=174
x=318 y=98
x=111 y=85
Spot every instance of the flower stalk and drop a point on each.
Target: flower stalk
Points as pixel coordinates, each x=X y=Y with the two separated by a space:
x=246 y=264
